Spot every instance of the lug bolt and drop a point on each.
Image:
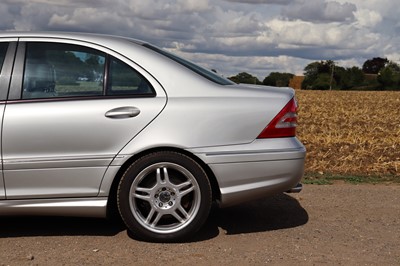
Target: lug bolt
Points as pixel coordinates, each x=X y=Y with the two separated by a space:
x=160 y=204
x=172 y=193
x=170 y=203
x=156 y=195
x=163 y=189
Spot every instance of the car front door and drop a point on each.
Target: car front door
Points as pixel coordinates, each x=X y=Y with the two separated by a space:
x=71 y=109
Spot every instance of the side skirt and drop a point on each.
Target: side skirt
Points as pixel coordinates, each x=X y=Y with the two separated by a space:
x=79 y=207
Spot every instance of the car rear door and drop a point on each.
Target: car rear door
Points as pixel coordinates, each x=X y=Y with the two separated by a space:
x=71 y=108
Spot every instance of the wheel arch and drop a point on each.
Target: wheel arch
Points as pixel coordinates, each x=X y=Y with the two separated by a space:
x=112 y=209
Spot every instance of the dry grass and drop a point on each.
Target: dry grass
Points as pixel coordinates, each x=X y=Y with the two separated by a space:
x=350 y=132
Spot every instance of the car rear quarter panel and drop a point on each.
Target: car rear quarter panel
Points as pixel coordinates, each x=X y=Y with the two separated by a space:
x=218 y=116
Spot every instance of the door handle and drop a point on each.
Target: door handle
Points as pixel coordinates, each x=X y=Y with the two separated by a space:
x=123 y=112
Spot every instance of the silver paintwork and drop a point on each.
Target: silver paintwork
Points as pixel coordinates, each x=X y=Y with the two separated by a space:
x=252 y=170
x=70 y=139
x=76 y=149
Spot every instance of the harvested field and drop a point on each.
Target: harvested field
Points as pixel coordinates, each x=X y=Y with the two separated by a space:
x=350 y=132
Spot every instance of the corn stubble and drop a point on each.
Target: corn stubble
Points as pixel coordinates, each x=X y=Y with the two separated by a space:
x=350 y=132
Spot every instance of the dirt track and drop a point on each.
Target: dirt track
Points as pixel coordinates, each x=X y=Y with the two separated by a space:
x=333 y=225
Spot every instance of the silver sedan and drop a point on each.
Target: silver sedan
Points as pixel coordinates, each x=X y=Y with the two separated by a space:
x=95 y=124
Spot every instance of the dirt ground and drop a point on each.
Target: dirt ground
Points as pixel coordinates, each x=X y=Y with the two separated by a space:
x=337 y=224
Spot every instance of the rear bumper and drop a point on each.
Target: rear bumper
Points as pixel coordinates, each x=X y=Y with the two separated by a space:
x=262 y=168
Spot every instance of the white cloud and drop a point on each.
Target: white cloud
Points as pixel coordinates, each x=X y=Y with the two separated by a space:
x=256 y=36
x=278 y=2
x=90 y=18
x=387 y=8
x=332 y=35
x=192 y=5
x=260 y=66
x=63 y=3
x=367 y=18
x=7 y=18
x=320 y=11
x=239 y=23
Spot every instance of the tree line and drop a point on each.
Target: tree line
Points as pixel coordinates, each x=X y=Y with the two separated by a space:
x=376 y=74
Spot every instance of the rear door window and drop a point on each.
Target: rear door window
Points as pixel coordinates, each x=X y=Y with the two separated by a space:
x=62 y=70
x=54 y=70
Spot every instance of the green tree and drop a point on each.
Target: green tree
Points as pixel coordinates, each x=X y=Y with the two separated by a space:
x=326 y=75
x=94 y=66
x=278 y=79
x=245 y=77
x=322 y=82
x=389 y=76
x=312 y=70
x=62 y=62
x=348 y=78
x=374 y=65
x=318 y=75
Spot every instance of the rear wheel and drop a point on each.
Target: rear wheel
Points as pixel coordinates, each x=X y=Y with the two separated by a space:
x=164 y=196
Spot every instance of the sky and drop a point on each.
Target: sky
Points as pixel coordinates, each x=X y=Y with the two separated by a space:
x=231 y=36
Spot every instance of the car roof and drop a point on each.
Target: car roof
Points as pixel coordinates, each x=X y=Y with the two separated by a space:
x=134 y=50
x=68 y=35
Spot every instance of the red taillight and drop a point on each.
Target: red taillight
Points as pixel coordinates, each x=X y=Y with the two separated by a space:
x=284 y=124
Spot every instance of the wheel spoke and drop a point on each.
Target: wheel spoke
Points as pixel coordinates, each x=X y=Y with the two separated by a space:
x=150 y=215
x=183 y=211
x=179 y=217
x=184 y=184
x=144 y=193
x=156 y=220
x=187 y=190
x=166 y=176
x=158 y=176
x=143 y=197
x=144 y=189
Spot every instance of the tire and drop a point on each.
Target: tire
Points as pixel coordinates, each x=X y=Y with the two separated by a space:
x=164 y=197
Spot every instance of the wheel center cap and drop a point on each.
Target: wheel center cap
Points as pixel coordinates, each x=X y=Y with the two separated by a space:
x=165 y=196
